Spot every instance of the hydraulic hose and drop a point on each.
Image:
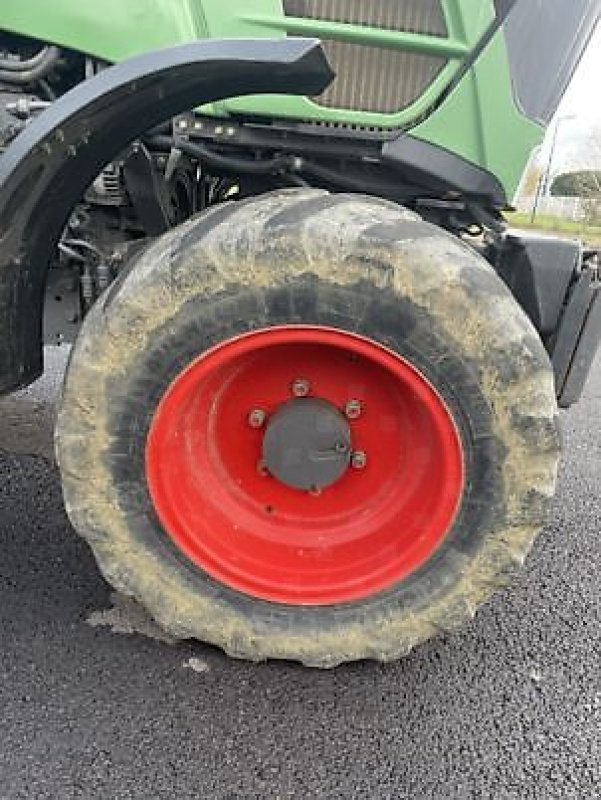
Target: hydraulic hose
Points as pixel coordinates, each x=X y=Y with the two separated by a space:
x=352 y=183
x=23 y=73
x=230 y=164
x=17 y=65
x=289 y=166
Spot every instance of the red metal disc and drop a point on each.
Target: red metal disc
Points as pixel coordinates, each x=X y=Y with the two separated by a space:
x=358 y=537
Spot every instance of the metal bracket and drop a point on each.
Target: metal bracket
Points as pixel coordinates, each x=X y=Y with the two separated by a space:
x=62 y=309
x=146 y=191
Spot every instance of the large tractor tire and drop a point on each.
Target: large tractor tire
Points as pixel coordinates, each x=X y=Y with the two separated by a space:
x=308 y=426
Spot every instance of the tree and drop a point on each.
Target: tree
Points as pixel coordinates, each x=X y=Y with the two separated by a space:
x=584 y=183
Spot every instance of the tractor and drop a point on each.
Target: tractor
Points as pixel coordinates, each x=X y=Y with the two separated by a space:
x=311 y=405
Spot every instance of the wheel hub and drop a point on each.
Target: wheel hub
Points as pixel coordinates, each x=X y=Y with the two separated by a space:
x=307 y=444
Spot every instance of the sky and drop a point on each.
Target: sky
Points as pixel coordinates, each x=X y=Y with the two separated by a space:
x=583 y=95
x=579 y=116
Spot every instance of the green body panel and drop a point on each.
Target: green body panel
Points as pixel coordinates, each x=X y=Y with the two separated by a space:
x=112 y=30
x=478 y=121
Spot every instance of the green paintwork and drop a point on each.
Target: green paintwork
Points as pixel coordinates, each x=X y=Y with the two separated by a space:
x=479 y=120
x=109 y=29
x=482 y=124
x=411 y=42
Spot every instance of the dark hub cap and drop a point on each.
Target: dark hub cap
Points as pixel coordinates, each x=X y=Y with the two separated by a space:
x=304 y=465
x=307 y=444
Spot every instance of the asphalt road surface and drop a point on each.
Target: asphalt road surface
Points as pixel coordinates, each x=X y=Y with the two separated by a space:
x=95 y=704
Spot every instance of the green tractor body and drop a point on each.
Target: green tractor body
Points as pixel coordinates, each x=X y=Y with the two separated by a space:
x=395 y=62
x=311 y=408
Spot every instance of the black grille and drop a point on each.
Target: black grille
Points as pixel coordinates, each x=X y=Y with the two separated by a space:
x=376 y=79
x=412 y=16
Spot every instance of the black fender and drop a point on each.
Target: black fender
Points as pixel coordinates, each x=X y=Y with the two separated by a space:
x=47 y=169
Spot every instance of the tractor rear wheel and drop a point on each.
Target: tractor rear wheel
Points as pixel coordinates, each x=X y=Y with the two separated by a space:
x=308 y=426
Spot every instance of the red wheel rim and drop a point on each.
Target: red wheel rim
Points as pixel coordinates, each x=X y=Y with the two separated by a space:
x=360 y=536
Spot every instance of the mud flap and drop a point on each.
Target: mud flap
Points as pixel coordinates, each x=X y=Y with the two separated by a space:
x=46 y=170
x=578 y=338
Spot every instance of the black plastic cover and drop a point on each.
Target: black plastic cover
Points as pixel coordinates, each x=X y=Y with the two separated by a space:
x=539 y=273
x=577 y=339
x=429 y=165
x=556 y=282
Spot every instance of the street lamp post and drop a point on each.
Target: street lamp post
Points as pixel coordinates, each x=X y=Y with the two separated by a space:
x=544 y=185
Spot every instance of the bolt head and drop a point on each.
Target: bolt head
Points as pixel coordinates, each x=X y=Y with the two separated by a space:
x=359 y=460
x=353 y=409
x=301 y=387
x=262 y=469
x=256 y=418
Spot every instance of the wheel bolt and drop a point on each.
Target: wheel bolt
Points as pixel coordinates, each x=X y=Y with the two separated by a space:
x=353 y=409
x=359 y=460
x=300 y=387
x=262 y=469
x=256 y=418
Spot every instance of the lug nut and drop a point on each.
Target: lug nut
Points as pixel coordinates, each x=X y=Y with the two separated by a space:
x=256 y=418
x=359 y=460
x=353 y=409
x=262 y=469
x=300 y=387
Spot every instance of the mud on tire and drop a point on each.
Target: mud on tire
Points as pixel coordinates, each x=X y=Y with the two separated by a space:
x=347 y=262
